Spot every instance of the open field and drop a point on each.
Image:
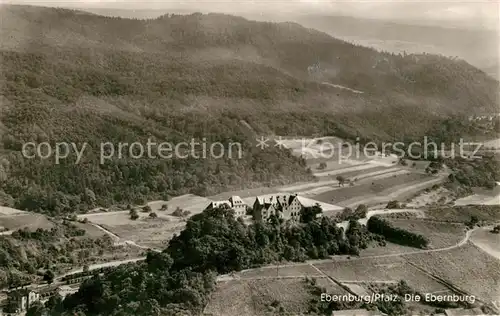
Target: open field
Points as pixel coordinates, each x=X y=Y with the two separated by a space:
x=345 y=170
x=467 y=267
x=145 y=231
x=440 y=234
x=487 y=241
x=380 y=269
x=439 y=196
x=4 y=210
x=247 y=193
x=254 y=297
x=400 y=192
x=189 y=202
x=285 y=271
x=378 y=186
x=462 y=214
x=31 y=221
x=494 y=143
x=388 y=249
x=479 y=199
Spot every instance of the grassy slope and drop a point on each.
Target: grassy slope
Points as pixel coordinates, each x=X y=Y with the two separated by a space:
x=77 y=77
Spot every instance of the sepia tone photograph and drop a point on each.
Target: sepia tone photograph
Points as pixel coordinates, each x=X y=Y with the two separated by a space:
x=249 y=158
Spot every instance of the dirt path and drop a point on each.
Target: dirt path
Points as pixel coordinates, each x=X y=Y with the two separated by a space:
x=342 y=87
x=101 y=265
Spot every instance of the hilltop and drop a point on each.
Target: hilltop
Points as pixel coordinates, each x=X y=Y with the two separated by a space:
x=478 y=45
x=79 y=77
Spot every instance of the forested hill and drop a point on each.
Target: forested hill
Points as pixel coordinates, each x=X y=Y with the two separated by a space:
x=78 y=77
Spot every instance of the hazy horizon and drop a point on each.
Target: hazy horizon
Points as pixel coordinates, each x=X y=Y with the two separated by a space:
x=476 y=14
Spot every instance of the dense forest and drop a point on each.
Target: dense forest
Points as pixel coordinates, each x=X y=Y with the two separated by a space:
x=27 y=255
x=70 y=76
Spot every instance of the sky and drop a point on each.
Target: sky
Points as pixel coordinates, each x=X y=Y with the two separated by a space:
x=480 y=12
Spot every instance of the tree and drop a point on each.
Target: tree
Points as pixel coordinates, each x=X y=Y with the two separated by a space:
x=178 y=212
x=361 y=211
x=308 y=214
x=164 y=207
x=153 y=215
x=473 y=221
x=133 y=214
x=392 y=205
x=49 y=276
x=322 y=166
x=147 y=209
x=36 y=309
x=496 y=229
x=341 y=180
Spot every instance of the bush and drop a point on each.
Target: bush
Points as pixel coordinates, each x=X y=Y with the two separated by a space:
x=146 y=209
x=180 y=213
x=496 y=229
x=393 y=205
x=153 y=215
x=133 y=215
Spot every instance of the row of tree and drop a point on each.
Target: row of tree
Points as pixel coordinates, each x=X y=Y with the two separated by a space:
x=380 y=226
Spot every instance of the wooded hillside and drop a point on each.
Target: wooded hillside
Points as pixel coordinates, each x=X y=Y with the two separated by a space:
x=78 y=77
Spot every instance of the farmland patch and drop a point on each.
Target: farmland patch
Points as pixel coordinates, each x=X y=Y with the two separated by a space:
x=468 y=267
x=380 y=269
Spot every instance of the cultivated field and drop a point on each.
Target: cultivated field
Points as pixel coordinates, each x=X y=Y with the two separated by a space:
x=388 y=249
x=468 y=268
x=330 y=286
x=380 y=269
x=254 y=297
x=401 y=192
x=284 y=271
x=367 y=189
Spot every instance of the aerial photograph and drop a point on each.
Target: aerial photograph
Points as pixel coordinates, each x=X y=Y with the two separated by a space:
x=249 y=157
